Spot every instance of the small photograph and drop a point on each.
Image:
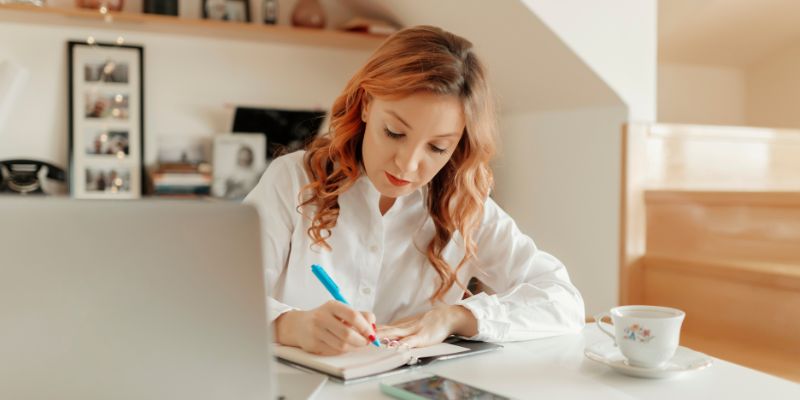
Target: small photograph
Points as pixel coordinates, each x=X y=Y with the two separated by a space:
x=227 y=10
x=108 y=142
x=108 y=71
x=99 y=105
x=239 y=161
x=108 y=180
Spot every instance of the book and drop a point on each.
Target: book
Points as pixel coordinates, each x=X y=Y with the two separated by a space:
x=372 y=361
x=181 y=179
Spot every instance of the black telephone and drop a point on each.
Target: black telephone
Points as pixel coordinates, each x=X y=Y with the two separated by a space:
x=25 y=177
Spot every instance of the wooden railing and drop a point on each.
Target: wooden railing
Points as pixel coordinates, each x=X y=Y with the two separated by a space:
x=711 y=225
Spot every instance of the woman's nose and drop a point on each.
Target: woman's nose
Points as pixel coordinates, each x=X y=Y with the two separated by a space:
x=407 y=159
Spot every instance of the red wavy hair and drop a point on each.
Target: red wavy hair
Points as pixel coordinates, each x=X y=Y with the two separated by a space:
x=413 y=60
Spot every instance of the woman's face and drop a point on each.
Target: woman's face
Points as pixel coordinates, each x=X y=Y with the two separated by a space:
x=408 y=140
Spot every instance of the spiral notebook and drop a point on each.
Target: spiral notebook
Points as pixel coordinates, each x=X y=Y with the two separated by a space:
x=372 y=362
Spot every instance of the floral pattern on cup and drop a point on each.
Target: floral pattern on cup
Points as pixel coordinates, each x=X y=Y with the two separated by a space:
x=638 y=333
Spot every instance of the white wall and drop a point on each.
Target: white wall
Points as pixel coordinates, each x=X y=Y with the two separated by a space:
x=773 y=90
x=559 y=177
x=696 y=94
x=617 y=39
x=765 y=93
x=188 y=83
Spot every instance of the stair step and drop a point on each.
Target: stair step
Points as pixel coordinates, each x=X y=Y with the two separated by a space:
x=751 y=354
x=754 y=226
x=739 y=301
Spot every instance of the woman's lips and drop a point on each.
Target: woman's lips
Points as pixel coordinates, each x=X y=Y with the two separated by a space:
x=395 y=181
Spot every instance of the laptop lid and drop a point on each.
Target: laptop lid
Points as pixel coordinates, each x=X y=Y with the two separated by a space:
x=131 y=300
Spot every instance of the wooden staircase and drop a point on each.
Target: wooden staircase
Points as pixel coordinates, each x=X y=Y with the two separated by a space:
x=711 y=225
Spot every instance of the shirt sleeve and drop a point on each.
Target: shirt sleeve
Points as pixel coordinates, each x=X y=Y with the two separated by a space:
x=535 y=297
x=275 y=199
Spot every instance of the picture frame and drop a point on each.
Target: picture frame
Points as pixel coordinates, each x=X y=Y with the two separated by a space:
x=238 y=162
x=227 y=10
x=106 y=120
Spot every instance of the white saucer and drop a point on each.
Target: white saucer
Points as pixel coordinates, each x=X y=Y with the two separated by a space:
x=684 y=360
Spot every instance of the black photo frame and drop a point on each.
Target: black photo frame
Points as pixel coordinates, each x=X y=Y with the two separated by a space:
x=105 y=116
x=227 y=10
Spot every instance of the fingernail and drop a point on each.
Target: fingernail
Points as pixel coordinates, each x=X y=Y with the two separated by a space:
x=374 y=328
x=371 y=338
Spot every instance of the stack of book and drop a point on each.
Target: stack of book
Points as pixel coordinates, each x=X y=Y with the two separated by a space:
x=182 y=179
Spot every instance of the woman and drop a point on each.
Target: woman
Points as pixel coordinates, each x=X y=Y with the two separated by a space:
x=394 y=202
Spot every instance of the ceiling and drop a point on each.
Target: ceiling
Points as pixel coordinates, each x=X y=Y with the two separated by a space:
x=735 y=33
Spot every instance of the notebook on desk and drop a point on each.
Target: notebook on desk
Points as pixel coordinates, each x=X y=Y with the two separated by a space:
x=371 y=362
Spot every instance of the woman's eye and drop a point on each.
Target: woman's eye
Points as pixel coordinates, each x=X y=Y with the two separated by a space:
x=392 y=135
x=438 y=149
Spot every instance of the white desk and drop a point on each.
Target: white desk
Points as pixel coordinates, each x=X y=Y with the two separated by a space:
x=557 y=369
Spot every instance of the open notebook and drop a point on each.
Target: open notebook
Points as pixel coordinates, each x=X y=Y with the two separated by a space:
x=372 y=361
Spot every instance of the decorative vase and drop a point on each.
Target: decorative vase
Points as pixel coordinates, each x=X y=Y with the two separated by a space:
x=308 y=14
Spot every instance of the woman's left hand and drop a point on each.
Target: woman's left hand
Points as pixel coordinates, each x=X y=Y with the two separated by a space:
x=431 y=327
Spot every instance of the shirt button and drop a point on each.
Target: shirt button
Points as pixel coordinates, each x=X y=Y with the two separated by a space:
x=366 y=291
x=373 y=248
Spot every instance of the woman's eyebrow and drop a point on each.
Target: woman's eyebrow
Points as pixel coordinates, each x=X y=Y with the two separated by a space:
x=394 y=114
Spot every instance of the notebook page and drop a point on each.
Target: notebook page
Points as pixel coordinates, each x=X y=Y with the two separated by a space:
x=364 y=360
x=399 y=358
x=337 y=364
x=440 y=349
x=367 y=356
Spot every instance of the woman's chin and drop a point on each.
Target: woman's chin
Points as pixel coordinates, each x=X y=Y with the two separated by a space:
x=389 y=190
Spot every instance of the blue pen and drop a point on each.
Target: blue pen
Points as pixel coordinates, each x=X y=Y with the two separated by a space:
x=329 y=284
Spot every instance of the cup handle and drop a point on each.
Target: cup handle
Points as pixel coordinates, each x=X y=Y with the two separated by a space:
x=597 y=320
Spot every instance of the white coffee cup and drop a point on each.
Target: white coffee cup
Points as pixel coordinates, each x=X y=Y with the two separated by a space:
x=647 y=336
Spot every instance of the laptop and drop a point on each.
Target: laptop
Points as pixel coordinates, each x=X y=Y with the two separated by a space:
x=145 y=299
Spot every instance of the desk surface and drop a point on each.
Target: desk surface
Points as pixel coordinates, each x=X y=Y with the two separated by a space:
x=557 y=368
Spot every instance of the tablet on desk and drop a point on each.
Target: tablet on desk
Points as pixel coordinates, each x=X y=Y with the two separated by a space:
x=435 y=387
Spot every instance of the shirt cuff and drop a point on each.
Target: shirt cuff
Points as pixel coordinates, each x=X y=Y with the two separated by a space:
x=275 y=309
x=486 y=310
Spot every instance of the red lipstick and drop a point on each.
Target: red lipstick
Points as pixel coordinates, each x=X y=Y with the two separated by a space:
x=395 y=181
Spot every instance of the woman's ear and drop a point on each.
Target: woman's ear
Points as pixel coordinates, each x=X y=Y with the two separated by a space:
x=365 y=108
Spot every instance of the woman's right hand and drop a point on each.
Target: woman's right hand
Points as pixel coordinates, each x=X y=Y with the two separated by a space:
x=330 y=329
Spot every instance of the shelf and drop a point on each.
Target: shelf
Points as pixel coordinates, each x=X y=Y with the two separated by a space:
x=165 y=24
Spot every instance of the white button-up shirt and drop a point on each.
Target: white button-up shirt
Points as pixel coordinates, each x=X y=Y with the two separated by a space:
x=379 y=262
